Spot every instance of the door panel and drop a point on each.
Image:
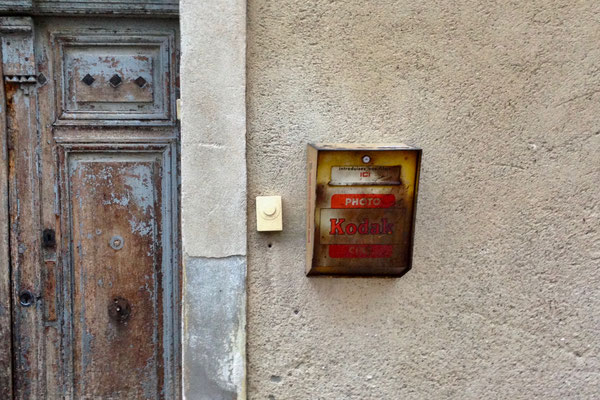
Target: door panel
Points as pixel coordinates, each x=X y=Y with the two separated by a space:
x=95 y=166
x=113 y=76
x=115 y=205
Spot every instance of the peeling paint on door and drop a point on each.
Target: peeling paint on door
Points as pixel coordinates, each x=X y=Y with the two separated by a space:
x=95 y=310
x=117 y=194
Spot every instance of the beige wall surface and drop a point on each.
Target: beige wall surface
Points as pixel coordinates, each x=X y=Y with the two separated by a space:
x=503 y=300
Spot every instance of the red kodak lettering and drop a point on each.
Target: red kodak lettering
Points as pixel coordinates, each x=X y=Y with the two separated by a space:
x=336 y=226
x=365 y=228
x=351 y=229
x=387 y=228
x=375 y=229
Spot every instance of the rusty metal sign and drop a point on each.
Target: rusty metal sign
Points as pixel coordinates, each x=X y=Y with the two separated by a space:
x=361 y=209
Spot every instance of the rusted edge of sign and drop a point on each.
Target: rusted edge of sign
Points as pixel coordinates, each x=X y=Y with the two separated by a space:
x=411 y=247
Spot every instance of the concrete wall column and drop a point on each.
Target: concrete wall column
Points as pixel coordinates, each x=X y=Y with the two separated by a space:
x=213 y=163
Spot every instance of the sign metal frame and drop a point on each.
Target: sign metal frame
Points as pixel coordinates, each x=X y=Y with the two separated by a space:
x=361 y=209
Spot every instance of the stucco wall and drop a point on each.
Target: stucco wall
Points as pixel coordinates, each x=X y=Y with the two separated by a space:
x=504 y=98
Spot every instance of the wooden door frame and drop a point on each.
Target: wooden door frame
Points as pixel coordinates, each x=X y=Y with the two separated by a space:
x=18 y=71
x=18 y=121
x=5 y=292
x=215 y=30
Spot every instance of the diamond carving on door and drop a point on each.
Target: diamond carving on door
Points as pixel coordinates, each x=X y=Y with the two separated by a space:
x=101 y=74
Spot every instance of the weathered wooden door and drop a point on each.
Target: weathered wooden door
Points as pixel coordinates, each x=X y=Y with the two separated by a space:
x=92 y=142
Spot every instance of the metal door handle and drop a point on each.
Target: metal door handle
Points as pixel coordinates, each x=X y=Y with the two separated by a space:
x=119 y=310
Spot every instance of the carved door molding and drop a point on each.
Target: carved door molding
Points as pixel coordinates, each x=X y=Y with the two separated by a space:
x=155 y=8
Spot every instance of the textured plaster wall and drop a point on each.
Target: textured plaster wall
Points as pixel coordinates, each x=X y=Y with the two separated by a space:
x=503 y=301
